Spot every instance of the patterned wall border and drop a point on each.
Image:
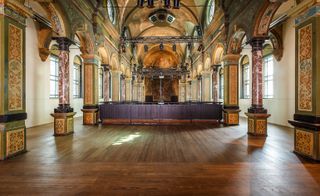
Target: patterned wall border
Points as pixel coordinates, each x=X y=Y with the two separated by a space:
x=305 y=68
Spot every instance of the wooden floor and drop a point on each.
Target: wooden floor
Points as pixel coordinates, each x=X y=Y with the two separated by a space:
x=163 y=160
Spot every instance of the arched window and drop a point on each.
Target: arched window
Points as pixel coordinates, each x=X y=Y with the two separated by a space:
x=245 y=78
x=268 y=71
x=210 y=11
x=54 y=72
x=221 y=84
x=77 y=77
x=111 y=11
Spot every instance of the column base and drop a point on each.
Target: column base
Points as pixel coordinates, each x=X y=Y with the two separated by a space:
x=90 y=116
x=12 y=139
x=63 y=123
x=258 y=124
x=231 y=116
x=306 y=139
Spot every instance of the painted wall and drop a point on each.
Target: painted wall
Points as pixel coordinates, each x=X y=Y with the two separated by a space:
x=281 y=107
x=39 y=105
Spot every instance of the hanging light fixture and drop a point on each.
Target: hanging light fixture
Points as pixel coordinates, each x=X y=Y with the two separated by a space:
x=161 y=46
x=140 y=3
x=174 y=47
x=176 y=4
x=150 y=4
x=167 y=4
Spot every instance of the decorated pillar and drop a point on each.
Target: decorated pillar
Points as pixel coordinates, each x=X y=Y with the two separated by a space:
x=231 y=95
x=12 y=82
x=91 y=92
x=215 y=84
x=307 y=106
x=257 y=115
x=128 y=89
x=199 y=88
x=183 y=89
x=106 y=82
x=63 y=114
x=206 y=86
x=122 y=87
x=116 y=86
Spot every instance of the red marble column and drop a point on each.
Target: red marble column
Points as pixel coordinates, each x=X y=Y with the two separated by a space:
x=106 y=81
x=64 y=76
x=257 y=76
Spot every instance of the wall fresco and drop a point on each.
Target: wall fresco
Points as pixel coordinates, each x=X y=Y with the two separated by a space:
x=305 y=68
x=15 y=141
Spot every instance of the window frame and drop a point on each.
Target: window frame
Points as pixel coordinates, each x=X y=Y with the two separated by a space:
x=267 y=77
x=79 y=81
x=111 y=11
x=210 y=11
x=245 y=82
x=54 y=77
x=221 y=84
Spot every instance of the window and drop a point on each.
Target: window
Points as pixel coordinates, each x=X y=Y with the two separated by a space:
x=77 y=77
x=101 y=83
x=110 y=86
x=245 y=78
x=211 y=10
x=54 y=72
x=268 y=76
x=111 y=11
x=221 y=84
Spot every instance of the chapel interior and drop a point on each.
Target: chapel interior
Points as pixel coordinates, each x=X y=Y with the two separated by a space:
x=160 y=97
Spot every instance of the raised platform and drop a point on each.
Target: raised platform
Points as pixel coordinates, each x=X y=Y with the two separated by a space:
x=168 y=113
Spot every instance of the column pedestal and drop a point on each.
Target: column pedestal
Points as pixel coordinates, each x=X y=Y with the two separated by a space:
x=90 y=116
x=63 y=123
x=231 y=116
x=257 y=124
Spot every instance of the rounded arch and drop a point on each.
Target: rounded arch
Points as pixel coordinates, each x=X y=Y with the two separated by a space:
x=235 y=42
x=86 y=42
x=264 y=18
x=114 y=62
x=217 y=54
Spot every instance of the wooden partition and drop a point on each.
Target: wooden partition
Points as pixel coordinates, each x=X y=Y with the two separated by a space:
x=144 y=113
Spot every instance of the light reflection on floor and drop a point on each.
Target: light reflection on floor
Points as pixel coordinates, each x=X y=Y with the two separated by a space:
x=126 y=139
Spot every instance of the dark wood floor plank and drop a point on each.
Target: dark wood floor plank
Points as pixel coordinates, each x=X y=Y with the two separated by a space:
x=197 y=159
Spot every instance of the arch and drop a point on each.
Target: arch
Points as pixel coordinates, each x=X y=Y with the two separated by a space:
x=114 y=62
x=217 y=54
x=264 y=18
x=277 y=44
x=235 y=42
x=86 y=42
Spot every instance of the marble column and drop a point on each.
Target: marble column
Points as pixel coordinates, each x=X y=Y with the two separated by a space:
x=106 y=82
x=116 y=83
x=128 y=89
x=91 y=92
x=206 y=86
x=257 y=115
x=12 y=82
x=182 y=89
x=306 y=120
x=63 y=114
x=215 y=84
x=231 y=93
x=122 y=87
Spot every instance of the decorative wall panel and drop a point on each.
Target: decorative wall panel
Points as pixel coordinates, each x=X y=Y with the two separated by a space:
x=305 y=68
x=233 y=86
x=88 y=97
x=15 y=141
x=261 y=126
x=59 y=126
x=15 y=68
x=304 y=142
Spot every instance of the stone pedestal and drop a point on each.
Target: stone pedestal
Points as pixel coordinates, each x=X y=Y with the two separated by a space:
x=90 y=116
x=63 y=123
x=257 y=124
x=231 y=116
